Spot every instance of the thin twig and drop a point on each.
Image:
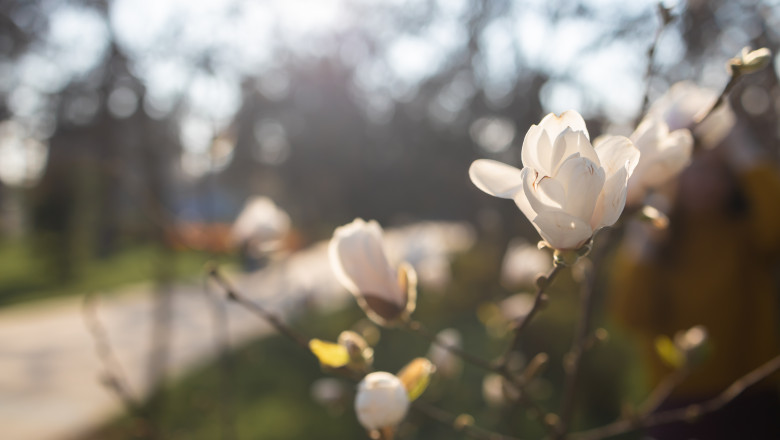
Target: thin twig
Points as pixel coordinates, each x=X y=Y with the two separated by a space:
x=662 y=392
x=418 y=328
x=572 y=360
x=225 y=362
x=580 y=342
x=114 y=376
x=666 y=18
x=543 y=283
x=686 y=413
x=279 y=325
x=721 y=98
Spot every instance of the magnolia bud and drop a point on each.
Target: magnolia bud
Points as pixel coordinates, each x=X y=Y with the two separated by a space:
x=750 y=61
x=381 y=401
x=357 y=256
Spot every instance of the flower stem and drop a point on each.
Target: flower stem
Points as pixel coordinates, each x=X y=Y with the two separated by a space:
x=543 y=283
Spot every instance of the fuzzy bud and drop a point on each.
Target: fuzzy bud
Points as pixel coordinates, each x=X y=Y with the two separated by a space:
x=381 y=401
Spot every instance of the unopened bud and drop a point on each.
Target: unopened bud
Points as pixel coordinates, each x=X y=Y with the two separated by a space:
x=463 y=421
x=360 y=354
x=416 y=376
x=750 y=61
x=655 y=217
x=381 y=401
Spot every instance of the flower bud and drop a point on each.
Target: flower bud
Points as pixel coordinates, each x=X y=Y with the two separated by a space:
x=360 y=354
x=416 y=376
x=750 y=61
x=381 y=401
x=358 y=259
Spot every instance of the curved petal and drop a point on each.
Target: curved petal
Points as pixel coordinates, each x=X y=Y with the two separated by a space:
x=582 y=180
x=612 y=200
x=359 y=262
x=496 y=178
x=554 y=125
x=617 y=152
x=649 y=134
x=536 y=145
x=521 y=199
x=561 y=230
x=673 y=155
x=541 y=192
x=660 y=163
x=570 y=143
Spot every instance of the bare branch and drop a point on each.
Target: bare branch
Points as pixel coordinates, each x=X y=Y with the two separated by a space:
x=113 y=375
x=276 y=322
x=543 y=283
x=686 y=413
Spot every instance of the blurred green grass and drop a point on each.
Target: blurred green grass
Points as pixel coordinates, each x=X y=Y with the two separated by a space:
x=26 y=275
x=270 y=379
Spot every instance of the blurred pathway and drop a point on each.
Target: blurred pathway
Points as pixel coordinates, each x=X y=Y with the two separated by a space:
x=49 y=371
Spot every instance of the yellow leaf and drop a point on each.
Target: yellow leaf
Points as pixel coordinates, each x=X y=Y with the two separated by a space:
x=329 y=354
x=668 y=352
x=416 y=376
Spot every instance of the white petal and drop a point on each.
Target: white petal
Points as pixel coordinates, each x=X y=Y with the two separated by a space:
x=561 y=230
x=538 y=199
x=554 y=125
x=496 y=178
x=617 y=152
x=648 y=135
x=673 y=155
x=536 y=146
x=521 y=199
x=570 y=143
x=611 y=201
x=359 y=262
x=582 y=180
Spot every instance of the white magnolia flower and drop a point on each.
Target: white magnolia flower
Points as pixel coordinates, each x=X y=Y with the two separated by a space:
x=663 y=155
x=381 y=401
x=567 y=188
x=262 y=223
x=358 y=259
x=685 y=104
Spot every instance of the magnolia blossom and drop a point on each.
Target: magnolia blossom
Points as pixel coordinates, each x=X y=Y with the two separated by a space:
x=685 y=104
x=261 y=223
x=567 y=188
x=381 y=401
x=358 y=259
x=663 y=155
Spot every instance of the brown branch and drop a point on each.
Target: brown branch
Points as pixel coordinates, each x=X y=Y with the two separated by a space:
x=666 y=18
x=573 y=358
x=418 y=328
x=582 y=333
x=662 y=392
x=275 y=322
x=225 y=362
x=686 y=413
x=721 y=98
x=113 y=376
x=543 y=283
